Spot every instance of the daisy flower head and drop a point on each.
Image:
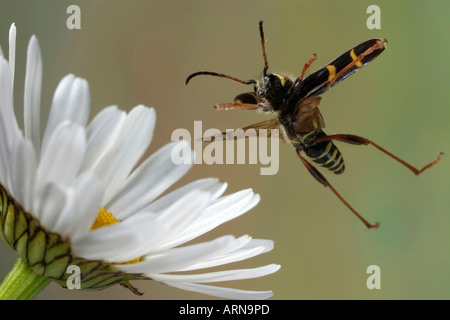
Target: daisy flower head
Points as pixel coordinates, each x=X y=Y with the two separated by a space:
x=77 y=197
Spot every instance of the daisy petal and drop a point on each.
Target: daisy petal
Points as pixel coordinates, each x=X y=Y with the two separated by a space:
x=12 y=51
x=9 y=131
x=4 y=151
x=9 y=122
x=102 y=132
x=253 y=248
x=114 y=242
x=106 y=243
x=211 y=185
x=32 y=93
x=134 y=137
x=218 y=276
x=63 y=155
x=176 y=217
x=223 y=210
x=155 y=175
x=78 y=216
x=23 y=173
x=180 y=258
x=226 y=293
x=52 y=199
x=71 y=101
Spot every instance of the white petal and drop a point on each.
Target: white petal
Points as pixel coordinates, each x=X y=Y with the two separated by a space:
x=71 y=101
x=52 y=199
x=87 y=208
x=154 y=176
x=102 y=132
x=81 y=207
x=4 y=154
x=4 y=139
x=180 y=258
x=12 y=51
x=223 y=210
x=211 y=185
x=134 y=138
x=251 y=249
x=227 y=293
x=218 y=276
x=113 y=243
x=62 y=157
x=9 y=121
x=32 y=94
x=176 y=217
x=105 y=243
x=23 y=173
x=9 y=131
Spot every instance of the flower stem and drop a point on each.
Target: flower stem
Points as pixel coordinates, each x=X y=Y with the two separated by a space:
x=22 y=283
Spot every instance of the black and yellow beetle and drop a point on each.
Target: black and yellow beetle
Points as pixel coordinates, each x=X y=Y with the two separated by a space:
x=295 y=102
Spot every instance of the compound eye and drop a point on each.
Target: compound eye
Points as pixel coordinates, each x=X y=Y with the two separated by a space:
x=261 y=93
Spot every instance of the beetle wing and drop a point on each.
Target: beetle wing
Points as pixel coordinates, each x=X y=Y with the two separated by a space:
x=308 y=116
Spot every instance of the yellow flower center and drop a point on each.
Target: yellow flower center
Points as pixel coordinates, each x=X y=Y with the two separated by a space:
x=105 y=218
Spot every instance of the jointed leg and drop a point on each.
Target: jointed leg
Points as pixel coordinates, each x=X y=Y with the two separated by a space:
x=307 y=65
x=319 y=177
x=229 y=106
x=349 y=138
x=243 y=132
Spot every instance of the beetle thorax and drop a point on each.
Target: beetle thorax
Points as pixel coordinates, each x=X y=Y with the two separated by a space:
x=273 y=89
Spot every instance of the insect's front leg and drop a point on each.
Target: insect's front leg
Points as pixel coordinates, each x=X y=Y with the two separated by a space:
x=246 y=100
x=349 y=138
x=242 y=106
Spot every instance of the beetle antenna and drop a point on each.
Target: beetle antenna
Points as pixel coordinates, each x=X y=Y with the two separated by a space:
x=215 y=74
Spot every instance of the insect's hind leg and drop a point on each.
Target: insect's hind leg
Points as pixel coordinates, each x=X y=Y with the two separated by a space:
x=319 y=177
x=349 y=138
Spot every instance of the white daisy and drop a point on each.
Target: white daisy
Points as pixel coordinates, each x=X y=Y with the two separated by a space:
x=74 y=197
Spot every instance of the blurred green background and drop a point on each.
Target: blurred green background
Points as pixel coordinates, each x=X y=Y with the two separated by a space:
x=140 y=52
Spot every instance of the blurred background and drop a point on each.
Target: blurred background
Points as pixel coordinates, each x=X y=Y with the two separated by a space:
x=140 y=52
